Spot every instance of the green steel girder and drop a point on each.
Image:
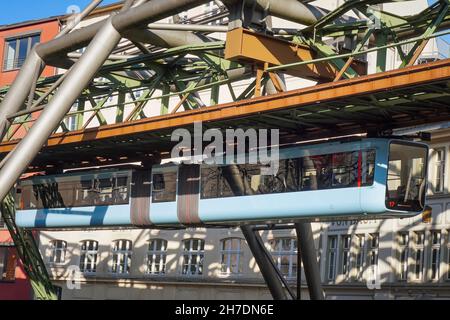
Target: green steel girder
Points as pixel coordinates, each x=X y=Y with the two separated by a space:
x=344 y=8
x=325 y=50
x=28 y=252
x=208 y=70
x=429 y=31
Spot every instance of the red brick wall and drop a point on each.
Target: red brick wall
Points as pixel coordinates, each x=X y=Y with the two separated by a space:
x=48 y=31
x=20 y=289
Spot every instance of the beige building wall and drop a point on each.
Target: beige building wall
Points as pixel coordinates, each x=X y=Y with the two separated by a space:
x=248 y=283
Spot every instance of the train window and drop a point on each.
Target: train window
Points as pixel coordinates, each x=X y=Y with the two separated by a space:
x=367 y=171
x=104 y=190
x=340 y=170
x=405 y=188
x=74 y=191
x=214 y=184
x=286 y=179
x=344 y=169
x=164 y=187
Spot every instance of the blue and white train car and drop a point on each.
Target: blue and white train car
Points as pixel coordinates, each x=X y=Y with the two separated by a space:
x=358 y=179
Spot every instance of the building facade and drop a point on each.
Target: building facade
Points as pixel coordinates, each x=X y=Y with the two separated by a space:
x=377 y=259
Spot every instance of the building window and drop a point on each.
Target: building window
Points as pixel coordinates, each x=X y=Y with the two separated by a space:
x=2 y=222
x=284 y=253
x=403 y=255
x=8 y=264
x=121 y=256
x=193 y=255
x=71 y=121
x=435 y=254
x=88 y=256
x=359 y=256
x=373 y=248
x=418 y=258
x=231 y=256
x=58 y=250
x=331 y=257
x=17 y=50
x=439 y=175
x=138 y=94
x=448 y=255
x=345 y=255
x=156 y=257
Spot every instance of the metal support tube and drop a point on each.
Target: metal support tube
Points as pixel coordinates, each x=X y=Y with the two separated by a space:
x=143 y=14
x=309 y=257
x=187 y=27
x=292 y=10
x=154 y=10
x=164 y=38
x=78 y=17
x=78 y=78
x=305 y=243
x=19 y=90
x=268 y=272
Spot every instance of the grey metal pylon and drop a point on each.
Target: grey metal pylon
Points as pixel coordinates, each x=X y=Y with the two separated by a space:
x=309 y=256
x=305 y=239
x=268 y=270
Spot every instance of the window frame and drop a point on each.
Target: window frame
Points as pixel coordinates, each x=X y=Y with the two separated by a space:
x=373 y=250
x=7 y=257
x=127 y=253
x=88 y=252
x=437 y=264
x=425 y=177
x=359 y=254
x=163 y=170
x=403 y=266
x=54 y=249
x=153 y=252
x=419 y=263
x=335 y=251
x=229 y=252
x=71 y=122
x=439 y=173
x=199 y=253
x=279 y=253
x=345 y=250
x=448 y=256
x=17 y=37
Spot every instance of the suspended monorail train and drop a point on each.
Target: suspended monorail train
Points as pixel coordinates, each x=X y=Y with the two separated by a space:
x=355 y=179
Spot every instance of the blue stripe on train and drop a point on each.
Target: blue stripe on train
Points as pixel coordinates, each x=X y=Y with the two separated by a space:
x=117 y=215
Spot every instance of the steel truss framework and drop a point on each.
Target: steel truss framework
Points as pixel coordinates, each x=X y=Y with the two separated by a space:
x=130 y=53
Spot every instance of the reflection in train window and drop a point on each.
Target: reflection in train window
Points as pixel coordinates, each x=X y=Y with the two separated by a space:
x=339 y=170
x=164 y=187
x=74 y=191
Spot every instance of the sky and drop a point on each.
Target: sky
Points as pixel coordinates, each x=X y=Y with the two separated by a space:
x=22 y=10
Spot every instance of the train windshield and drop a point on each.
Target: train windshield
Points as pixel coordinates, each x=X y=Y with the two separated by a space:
x=406 y=182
